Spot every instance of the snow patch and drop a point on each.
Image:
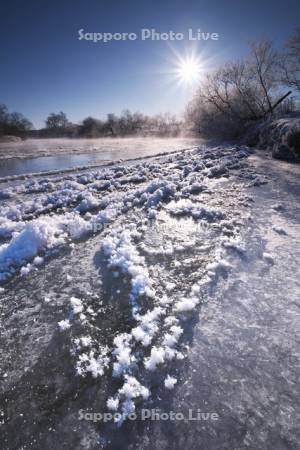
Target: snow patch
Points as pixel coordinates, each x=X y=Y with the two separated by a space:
x=170 y=382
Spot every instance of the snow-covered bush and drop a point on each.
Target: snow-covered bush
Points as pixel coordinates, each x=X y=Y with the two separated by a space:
x=282 y=137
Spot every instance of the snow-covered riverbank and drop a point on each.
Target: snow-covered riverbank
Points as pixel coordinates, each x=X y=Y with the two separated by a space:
x=103 y=276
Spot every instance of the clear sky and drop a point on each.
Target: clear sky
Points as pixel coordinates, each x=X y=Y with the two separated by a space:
x=44 y=67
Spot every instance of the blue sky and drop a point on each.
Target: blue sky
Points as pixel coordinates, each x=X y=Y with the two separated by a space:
x=45 y=68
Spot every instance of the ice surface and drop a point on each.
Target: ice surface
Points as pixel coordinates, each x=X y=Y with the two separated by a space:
x=118 y=207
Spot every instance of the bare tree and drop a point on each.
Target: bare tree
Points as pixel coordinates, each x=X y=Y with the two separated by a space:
x=112 y=124
x=3 y=118
x=263 y=65
x=13 y=123
x=91 y=127
x=131 y=123
x=57 y=121
x=290 y=62
x=238 y=93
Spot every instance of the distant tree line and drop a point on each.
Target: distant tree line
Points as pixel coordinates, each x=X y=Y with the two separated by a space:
x=14 y=124
x=127 y=124
x=241 y=93
x=58 y=125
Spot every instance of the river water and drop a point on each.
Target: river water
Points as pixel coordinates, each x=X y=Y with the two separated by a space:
x=43 y=155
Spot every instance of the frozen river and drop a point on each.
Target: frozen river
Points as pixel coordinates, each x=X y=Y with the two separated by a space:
x=167 y=284
x=44 y=155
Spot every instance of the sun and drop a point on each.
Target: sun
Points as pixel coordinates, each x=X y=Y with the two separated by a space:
x=184 y=70
x=188 y=70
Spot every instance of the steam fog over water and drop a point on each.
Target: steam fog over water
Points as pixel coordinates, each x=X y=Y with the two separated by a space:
x=39 y=155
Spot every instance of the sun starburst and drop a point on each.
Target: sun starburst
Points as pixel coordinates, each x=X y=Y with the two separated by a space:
x=188 y=69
